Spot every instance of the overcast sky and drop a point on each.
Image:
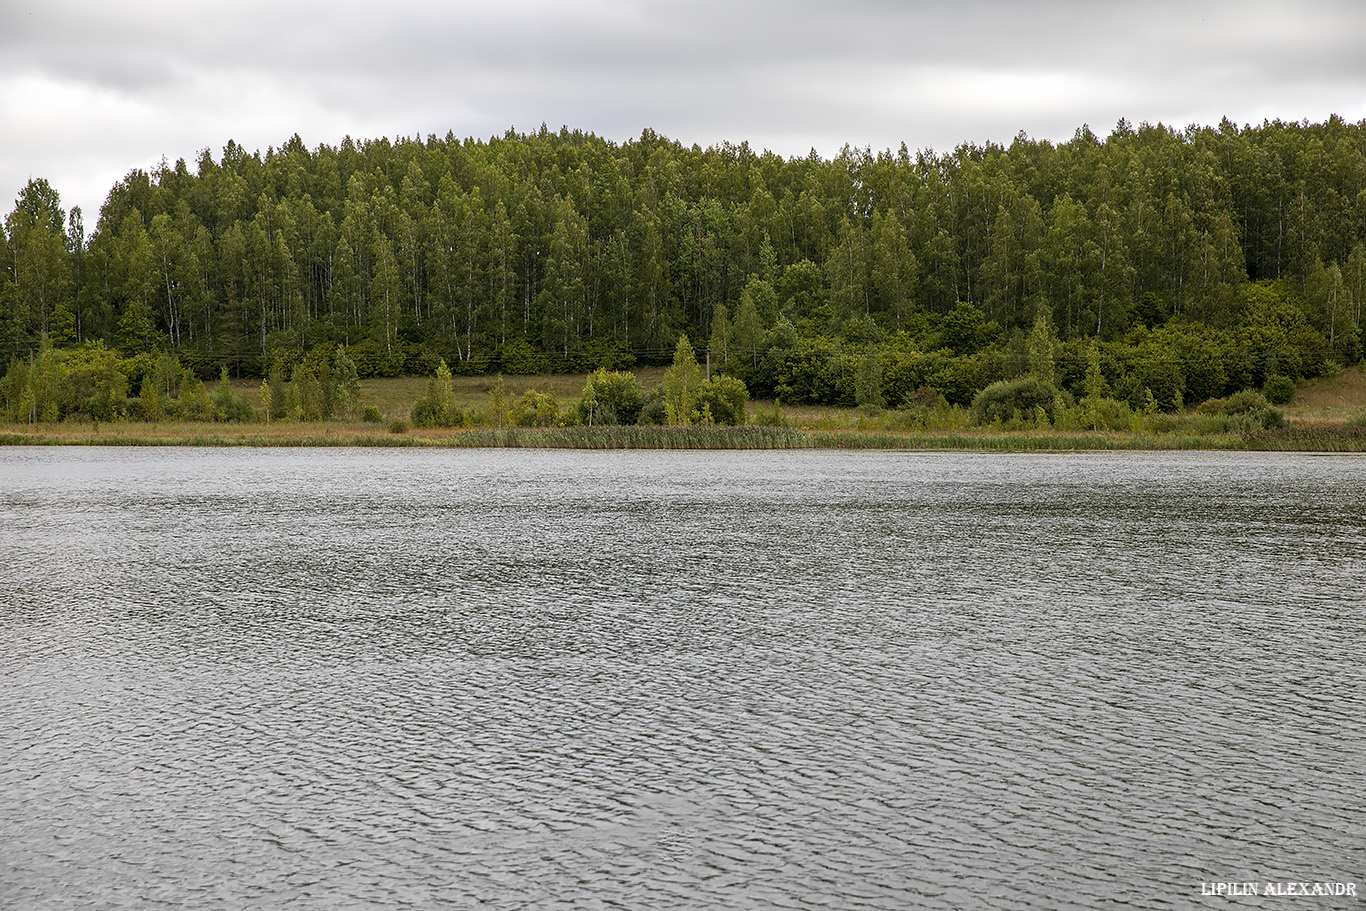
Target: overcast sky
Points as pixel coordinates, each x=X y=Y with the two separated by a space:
x=92 y=90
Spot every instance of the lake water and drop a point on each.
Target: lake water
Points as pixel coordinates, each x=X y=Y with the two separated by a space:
x=331 y=679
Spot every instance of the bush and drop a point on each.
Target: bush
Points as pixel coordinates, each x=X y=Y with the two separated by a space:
x=133 y=409
x=610 y=397
x=1279 y=389
x=534 y=409
x=437 y=408
x=1111 y=414
x=809 y=370
x=228 y=405
x=372 y=415
x=1258 y=419
x=1244 y=411
x=419 y=360
x=926 y=397
x=368 y=356
x=652 y=410
x=398 y=426
x=726 y=398
x=1243 y=402
x=1153 y=376
x=1025 y=398
x=1239 y=402
x=426 y=414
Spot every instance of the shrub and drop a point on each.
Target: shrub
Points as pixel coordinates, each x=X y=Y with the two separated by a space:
x=610 y=397
x=372 y=415
x=1272 y=418
x=1211 y=406
x=726 y=398
x=1238 y=403
x=912 y=417
x=1257 y=419
x=1244 y=411
x=1279 y=389
x=1111 y=414
x=367 y=356
x=437 y=408
x=652 y=410
x=534 y=409
x=228 y=405
x=1243 y=402
x=427 y=414
x=419 y=360
x=926 y=397
x=1024 y=398
x=806 y=370
x=398 y=425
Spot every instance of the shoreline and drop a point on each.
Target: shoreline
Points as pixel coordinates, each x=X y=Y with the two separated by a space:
x=1296 y=438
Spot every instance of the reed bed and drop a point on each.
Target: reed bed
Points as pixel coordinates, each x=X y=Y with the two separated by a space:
x=1308 y=438
x=1301 y=438
x=1024 y=441
x=631 y=437
x=198 y=434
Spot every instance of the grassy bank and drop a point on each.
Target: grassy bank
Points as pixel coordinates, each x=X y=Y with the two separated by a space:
x=1323 y=438
x=1328 y=415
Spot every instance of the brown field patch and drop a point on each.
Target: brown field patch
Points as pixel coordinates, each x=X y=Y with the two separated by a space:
x=1330 y=399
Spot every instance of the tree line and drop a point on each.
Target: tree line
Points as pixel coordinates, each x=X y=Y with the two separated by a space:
x=1200 y=260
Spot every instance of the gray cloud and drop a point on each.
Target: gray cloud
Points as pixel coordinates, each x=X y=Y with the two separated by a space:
x=88 y=93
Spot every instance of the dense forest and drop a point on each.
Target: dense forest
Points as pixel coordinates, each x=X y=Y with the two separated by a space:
x=1188 y=263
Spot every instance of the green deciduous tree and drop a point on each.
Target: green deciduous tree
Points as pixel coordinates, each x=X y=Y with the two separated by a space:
x=681 y=384
x=749 y=326
x=498 y=403
x=846 y=272
x=721 y=336
x=1096 y=387
x=1330 y=301
x=38 y=264
x=346 y=383
x=1042 y=351
x=896 y=273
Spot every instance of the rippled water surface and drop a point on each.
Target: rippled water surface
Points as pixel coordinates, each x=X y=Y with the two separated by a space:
x=317 y=679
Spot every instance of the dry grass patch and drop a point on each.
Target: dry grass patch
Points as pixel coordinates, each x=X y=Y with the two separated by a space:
x=393 y=396
x=1330 y=399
